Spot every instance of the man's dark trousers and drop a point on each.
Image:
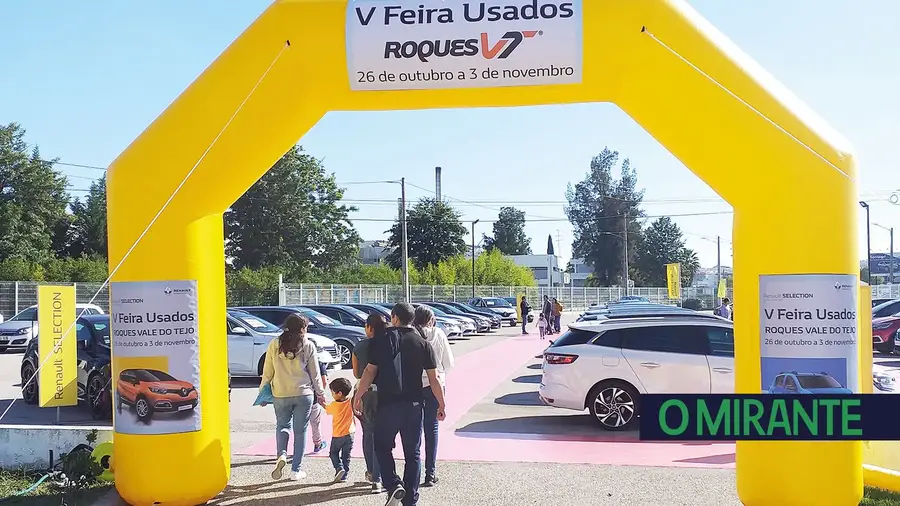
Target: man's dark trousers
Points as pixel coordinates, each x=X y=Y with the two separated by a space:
x=405 y=418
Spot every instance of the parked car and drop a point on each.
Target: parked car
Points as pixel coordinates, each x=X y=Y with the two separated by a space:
x=93 y=362
x=16 y=332
x=875 y=302
x=345 y=337
x=150 y=391
x=794 y=382
x=639 y=309
x=450 y=327
x=886 y=334
x=496 y=320
x=883 y=380
x=514 y=302
x=248 y=340
x=342 y=313
x=604 y=366
x=627 y=299
x=482 y=324
x=467 y=325
x=498 y=305
x=888 y=308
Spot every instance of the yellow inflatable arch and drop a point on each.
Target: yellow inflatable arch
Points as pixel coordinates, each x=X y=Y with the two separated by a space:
x=790 y=179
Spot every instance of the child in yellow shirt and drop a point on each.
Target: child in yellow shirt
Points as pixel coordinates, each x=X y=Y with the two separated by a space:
x=342 y=427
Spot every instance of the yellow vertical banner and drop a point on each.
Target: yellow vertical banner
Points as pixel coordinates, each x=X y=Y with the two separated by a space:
x=723 y=289
x=673 y=280
x=519 y=314
x=58 y=378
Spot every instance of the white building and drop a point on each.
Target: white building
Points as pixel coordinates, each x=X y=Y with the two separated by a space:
x=580 y=271
x=373 y=252
x=706 y=280
x=544 y=267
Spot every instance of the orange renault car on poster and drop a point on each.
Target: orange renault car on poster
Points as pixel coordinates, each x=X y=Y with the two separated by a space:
x=150 y=391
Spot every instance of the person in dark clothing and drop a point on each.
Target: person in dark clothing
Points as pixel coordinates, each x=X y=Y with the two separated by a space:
x=547 y=311
x=375 y=326
x=525 y=309
x=397 y=360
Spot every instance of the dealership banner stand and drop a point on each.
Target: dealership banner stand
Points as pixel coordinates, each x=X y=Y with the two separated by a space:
x=788 y=173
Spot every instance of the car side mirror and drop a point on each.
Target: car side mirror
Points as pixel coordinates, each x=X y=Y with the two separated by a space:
x=239 y=330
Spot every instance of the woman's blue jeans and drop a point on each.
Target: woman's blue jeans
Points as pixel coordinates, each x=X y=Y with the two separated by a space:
x=430 y=430
x=292 y=411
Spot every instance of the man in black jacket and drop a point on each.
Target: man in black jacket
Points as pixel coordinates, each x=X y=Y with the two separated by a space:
x=524 y=309
x=397 y=360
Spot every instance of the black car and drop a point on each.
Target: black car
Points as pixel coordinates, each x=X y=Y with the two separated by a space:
x=498 y=305
x=93 y=362
x=371 y=309
x=345 y=314
x=345 y=337
x=485 y=323
x=496 y=320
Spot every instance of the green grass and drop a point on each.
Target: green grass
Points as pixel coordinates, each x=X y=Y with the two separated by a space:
x=47 y=494
x=878 y=497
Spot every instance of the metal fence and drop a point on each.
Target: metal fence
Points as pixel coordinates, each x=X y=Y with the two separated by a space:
x=15 y=296
x=570 y=297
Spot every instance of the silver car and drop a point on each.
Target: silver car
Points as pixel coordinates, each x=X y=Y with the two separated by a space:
x=18 y=330
x=248 y=340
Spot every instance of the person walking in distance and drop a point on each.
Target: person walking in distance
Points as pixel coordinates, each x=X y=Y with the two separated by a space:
x=723 y=310
x=547 y=310
x=524 y=308
x=375 y=326
x=437 y=339
x=292 y=371
x=397 y=360
x=557 y=316
x=342 y=428
x=315 y=414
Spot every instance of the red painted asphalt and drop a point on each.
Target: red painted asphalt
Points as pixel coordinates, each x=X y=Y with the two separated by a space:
x=479 y=372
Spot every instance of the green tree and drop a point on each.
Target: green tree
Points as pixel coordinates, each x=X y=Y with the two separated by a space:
x=87 y=234
x=32 y=198
x=663 y=243
x=434 y=233
x=601 y=208
x=251 y=287
x=292 y=218
x=19 y=269
x=509 y=233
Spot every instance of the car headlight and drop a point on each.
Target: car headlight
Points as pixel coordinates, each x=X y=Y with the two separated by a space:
x=158 y=390
x=883 y=382
x=22 y=331
x=882 y=326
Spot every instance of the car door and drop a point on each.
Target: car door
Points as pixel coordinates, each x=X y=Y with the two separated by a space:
x=668 y=358
x=721 y=359
x=333 y=313
x=83 y=353
x=240 y=348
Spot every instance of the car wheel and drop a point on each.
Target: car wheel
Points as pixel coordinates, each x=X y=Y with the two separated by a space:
x=143 y=409
x=345 y=352
x=98 y=399
x=29 y=390
x=614 y=404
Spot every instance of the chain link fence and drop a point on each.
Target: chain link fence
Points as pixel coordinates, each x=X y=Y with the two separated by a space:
x=15 y=296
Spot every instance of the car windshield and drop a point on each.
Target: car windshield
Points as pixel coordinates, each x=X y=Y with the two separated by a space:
x=447 y=308
x=26 y=315
x=818 y=381
x=318 y=318
x=469 y=308
x=356 y=312
x=151 y=375
x=496 y=303
x=257 y=324
x=101 y=331
x=437 y=312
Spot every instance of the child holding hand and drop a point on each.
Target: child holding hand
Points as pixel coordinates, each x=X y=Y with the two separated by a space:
x=342 y=427
x=543 y=325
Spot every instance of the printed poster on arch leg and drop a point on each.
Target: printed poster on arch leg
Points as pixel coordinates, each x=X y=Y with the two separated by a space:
x=156 y=365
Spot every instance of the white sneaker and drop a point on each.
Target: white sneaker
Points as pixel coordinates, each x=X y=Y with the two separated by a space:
x=298 y=475
x=278 y=472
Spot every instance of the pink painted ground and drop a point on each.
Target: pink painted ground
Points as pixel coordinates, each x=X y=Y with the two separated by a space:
x=478 y=373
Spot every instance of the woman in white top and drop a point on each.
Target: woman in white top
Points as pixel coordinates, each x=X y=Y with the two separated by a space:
x=424 y=322
x=292 y=371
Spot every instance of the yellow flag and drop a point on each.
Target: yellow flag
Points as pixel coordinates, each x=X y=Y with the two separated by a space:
x=58 y=385
x=673 y=280
x=723 y=290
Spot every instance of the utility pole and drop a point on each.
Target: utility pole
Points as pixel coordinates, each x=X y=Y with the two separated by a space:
x=405 y=240
x=718 y=266
x=473 y=258
x=625 y=251
x=865 y=206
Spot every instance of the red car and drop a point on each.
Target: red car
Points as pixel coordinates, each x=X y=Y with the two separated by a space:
x=151 y=391
x=885 y=331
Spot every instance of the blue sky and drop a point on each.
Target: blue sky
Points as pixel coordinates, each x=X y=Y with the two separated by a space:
x=85 y=78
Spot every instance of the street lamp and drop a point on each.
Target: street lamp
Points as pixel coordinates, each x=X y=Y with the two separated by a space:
x=865 y=206
x=473 y=257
